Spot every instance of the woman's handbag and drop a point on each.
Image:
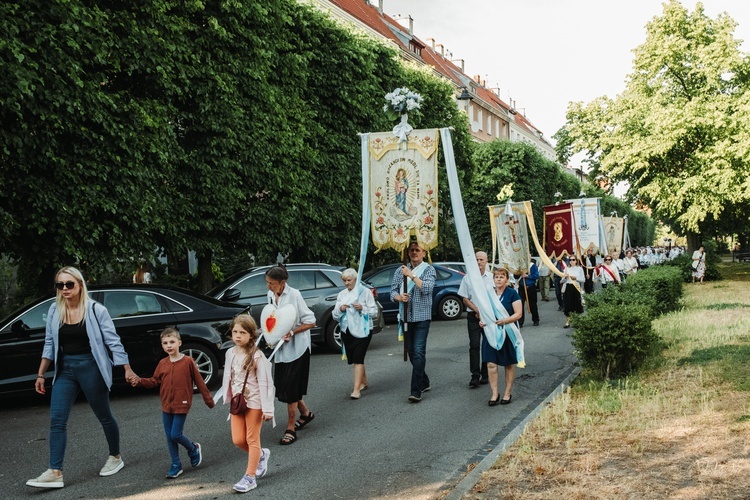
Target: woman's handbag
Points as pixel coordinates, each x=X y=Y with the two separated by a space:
x=238 y=404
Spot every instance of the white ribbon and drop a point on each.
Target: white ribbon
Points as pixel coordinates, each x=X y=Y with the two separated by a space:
x=402 y=130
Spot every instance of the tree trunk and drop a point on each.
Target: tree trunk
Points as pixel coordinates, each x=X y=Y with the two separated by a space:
x=205 y=280
x=694 y=242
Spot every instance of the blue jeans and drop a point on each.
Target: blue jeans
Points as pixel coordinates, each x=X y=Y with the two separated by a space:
x=76 y=373
x=173 y=425
x=417 y=332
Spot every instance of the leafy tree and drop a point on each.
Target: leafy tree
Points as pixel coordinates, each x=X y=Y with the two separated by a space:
x=82 y=159
x=563 y=145
x=678 y=134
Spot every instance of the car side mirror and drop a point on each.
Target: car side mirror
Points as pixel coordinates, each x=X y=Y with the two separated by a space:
x=231 y=295
x=19 y=328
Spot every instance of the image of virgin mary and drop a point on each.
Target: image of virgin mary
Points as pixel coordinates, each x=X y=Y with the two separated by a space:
x=401 y=186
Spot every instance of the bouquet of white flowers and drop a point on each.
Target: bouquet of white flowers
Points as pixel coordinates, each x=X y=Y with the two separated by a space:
x=506 y=193
x=401 y=101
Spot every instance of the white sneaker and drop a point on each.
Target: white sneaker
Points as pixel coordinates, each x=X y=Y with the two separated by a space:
x=263 y=463
x=245 y=484
x=112 y=466
x=47 y=480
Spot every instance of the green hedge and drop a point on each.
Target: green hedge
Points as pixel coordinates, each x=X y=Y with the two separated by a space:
x=621 y=296
x=662 y=285
x=614 y=337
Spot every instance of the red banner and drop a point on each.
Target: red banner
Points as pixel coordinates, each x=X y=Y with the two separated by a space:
x=559 y=230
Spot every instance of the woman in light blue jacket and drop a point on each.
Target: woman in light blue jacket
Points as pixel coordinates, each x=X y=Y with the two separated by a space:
x=80 y=337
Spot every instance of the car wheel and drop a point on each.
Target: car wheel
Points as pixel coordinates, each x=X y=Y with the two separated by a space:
x=208 y=366
x=333 y=336
x=449 y=308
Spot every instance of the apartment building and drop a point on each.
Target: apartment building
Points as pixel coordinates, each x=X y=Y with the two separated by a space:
x=490 y=117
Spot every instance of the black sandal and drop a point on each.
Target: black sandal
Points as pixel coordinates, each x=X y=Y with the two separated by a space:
x=304 y=420
x=288 y=438
x=506 y=401
x=493 y=402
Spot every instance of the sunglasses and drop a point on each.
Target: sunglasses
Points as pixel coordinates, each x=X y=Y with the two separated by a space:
x=607 y=260
x=68 y=284
x=571 y=260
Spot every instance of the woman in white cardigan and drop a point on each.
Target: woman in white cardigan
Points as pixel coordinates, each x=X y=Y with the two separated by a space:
x=354 y=306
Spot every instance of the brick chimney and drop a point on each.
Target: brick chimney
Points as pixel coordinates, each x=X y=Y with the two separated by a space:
x=459 y=63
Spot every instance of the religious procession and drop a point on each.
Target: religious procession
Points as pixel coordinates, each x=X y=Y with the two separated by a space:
x=580 y=252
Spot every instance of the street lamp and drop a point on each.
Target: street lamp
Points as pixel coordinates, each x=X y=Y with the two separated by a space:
x=465 y=95
x=465 y=98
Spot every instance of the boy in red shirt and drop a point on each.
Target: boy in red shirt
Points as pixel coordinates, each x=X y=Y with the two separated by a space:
x=176 y=375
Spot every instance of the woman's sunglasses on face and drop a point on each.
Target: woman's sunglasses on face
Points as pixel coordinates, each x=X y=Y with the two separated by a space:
x=68 y=284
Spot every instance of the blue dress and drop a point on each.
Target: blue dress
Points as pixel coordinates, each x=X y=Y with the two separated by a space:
x=506 y=355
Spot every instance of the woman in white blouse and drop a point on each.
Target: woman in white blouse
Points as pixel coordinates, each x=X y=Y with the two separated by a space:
x=354 y=306
x=630 y=263
x=572 y=281
x=607 y=272
x=292 y=365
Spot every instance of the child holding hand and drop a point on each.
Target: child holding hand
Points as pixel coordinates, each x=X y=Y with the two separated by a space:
x=247 y=371
x=176 y=375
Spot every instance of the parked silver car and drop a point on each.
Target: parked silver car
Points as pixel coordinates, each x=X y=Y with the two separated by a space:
x=319 y=285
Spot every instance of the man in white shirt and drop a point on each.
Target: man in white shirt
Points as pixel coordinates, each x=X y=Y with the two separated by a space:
x=478 y=371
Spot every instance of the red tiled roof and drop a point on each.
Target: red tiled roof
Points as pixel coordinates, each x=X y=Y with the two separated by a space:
x=369 y=15
x=388 y=27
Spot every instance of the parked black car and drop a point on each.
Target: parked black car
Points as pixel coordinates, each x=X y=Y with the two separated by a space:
x=139 y=313
x=446 y=303
x=319 y=285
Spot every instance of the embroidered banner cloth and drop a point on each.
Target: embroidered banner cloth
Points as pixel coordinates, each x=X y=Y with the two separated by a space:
x=403 y=179
x=587 y=215
x=559 y=230
x=613 y=232
x=510 y=237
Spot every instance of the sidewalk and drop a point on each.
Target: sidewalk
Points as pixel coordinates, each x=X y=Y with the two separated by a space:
x=550 y=321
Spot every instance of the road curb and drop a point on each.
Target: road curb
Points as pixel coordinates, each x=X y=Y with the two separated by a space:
x=503 y=440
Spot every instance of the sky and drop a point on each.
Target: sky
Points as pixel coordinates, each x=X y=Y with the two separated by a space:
x=547 y=53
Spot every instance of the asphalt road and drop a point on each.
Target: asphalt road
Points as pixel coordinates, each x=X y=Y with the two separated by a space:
x=380 y=446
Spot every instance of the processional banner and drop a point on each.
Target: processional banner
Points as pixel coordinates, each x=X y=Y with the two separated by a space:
x=510 y=240
x=559 y=230
x=587 y=216
x=614 y=228
x=403 y=179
